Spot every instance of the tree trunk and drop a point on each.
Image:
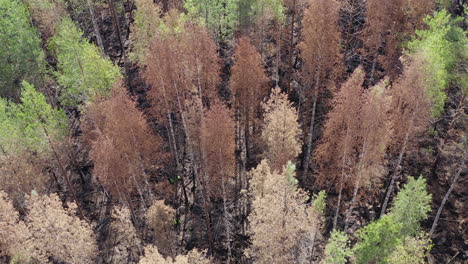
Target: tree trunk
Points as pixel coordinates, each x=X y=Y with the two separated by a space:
x=226 y=223
x=116 y=23
x=335 y=219
x=452 y=185
x=291 y=43
x=311 y=127
x=96 y=27
x=396 y=173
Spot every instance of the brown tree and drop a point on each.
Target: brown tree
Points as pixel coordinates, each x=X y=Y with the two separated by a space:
x=122 y=144
x=249 y=87
x=336 y=153
x=375 y=130
x=387 y=23
x=124 y=241
x=411 y=109
x=160 y=219
x=218 y=147
x=321 y=54
x=281 y=131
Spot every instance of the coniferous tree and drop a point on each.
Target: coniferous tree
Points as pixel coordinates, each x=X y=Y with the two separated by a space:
x=82 y=73
x=152 y=255
x=248 y=85
x=47 y=15
x=336 y=152
x=280 y=217
x=160 y=219
x=281 y=131
x=321 y=54
x=125 y=243
x=122 y=145
x=337 y=250
x=21 y=56
x=58 y=233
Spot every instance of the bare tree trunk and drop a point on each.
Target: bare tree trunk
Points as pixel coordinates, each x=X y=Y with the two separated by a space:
x=395 y=174
x=311 y=127
x=452 y=185
x=335 y=219
x=226 y=223
x=95 y=27
x=117 y=27
x=291 y=43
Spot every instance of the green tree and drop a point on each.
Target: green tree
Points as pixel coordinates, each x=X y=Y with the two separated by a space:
x=21 y=56
x=441 y=45
x=411 y=206
x=82 y=73
x=412 y=251
x=337 y=250
x=378 y=240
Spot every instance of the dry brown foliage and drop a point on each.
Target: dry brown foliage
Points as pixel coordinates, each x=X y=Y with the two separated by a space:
x=411 y=106
x=160 y=219
x=281 y=130
x=152 y=256
x=122 y=144
x=126 y=245
x=280 y=217
x=218 y=147
x=321 y=44
x=249 y=84
x=58 y=233
x=47 y=14
x=337 y=150
x=15 y=238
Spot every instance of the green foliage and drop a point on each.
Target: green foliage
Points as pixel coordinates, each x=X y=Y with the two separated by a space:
x=319 y=202
x=220 y=16
x=21 y=56
x=441 y=46
x=380 y=238
x=377 y=240
x=412 y=251
x=144 y=28
x=337 y=250
x=30 y=125
x=412 y=205
x=82 y=73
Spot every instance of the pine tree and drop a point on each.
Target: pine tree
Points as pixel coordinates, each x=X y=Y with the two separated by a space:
x=248 y=85
x=412 y=251
x=160 y=218
x=337 y=250
x=321 y=54
x=122 y=144
x=152 y=256
x=47 y=14
x=58 y=233
x=144 y=28
x=280 y=217
x=126 y=245
x=281 y=131
x=82 y=73
x=21 y=56
x=336 y=152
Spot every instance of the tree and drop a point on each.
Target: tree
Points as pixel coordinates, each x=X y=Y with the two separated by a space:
x=379 y=239
x=218 y=155
x=440 y=47
x=122 y=144
x=411 y=109
x=58 y=232
x=248 y=85
x=337 y=250
x=47 y=14
x=14 y=235
x=160 y=219
x=82 y=73
x=21 y=56
x=375 y=130
x=412 y=205
x=412 y=251
x=336 y=152
x=30 y=132
x=126 y=245
x=281 y=131
x=321 y=54
x=144 y=28
x=386 y=26
x=152 y=255
x=219 y=16
x=279 y=217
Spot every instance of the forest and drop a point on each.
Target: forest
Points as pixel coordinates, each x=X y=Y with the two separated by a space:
x=233 y=131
